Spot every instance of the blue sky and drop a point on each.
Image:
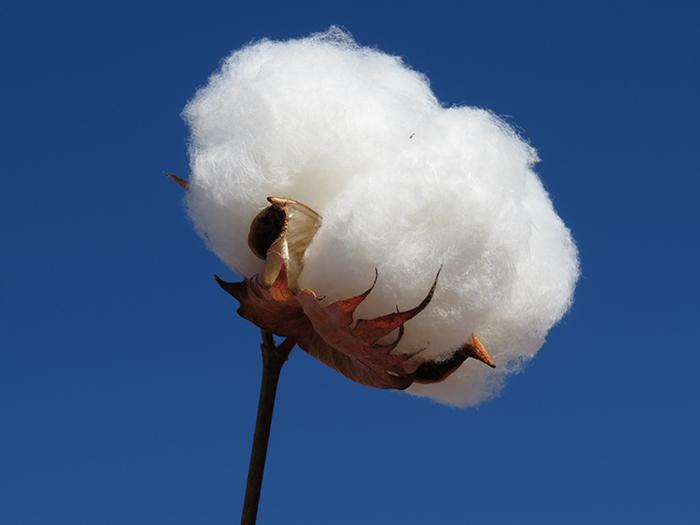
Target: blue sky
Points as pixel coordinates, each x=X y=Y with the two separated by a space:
x=128 y=385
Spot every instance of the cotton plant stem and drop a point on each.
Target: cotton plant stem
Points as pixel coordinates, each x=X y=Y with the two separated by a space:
x=274 y=358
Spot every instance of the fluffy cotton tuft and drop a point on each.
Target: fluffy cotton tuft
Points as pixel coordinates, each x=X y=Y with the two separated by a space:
x=403 y=184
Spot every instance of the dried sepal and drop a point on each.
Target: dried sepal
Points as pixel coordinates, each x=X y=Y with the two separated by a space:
x=274 y=308
x=280 y=234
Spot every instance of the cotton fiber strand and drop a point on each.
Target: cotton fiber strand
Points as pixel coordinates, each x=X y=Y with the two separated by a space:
x=403 y=184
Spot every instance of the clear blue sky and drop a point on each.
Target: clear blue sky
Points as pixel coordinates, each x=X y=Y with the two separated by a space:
x=128 y=385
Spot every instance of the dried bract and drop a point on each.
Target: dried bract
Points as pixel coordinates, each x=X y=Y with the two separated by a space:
x=280 y=234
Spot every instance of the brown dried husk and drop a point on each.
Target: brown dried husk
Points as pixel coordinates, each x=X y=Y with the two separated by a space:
x=280 y=234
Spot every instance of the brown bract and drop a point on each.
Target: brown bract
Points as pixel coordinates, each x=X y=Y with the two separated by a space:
x=280 y=234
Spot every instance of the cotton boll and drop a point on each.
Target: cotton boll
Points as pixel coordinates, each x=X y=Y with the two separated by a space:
x=403 y=184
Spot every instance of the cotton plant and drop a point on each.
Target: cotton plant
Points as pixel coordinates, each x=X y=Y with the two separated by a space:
x=405 y=244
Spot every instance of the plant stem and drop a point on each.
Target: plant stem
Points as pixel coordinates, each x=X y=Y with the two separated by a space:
x=274 y=358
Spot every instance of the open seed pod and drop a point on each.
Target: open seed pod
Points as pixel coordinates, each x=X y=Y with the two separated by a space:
x=280 y=234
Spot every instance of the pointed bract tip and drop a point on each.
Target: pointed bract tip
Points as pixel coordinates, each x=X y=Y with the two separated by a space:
x=234 y=289
x=479 y=352
x=179 y=180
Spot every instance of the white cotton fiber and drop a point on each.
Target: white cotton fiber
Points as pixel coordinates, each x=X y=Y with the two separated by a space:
x=403 y=184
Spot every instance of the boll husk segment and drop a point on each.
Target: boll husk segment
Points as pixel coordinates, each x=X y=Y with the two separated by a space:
x=281 y=234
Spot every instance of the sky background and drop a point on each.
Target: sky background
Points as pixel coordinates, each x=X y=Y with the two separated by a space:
x=128 y=386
